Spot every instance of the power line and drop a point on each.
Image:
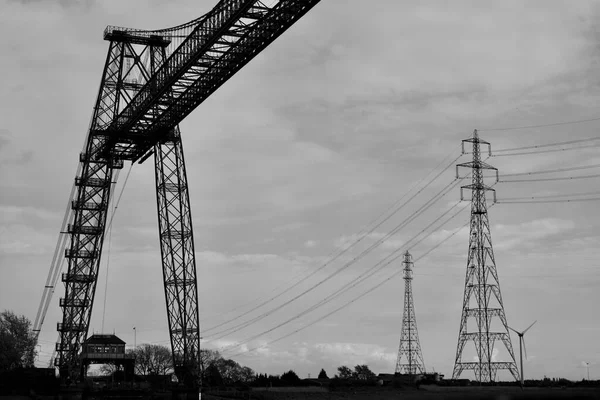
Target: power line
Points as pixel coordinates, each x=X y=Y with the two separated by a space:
x=405 y=222
x=379 y=266
x=578 y=121
x=550 y=144
x=551 y=196
x=549 y=201
x=550 y=179
x=544 y=151
x=352 y=301
x=548 y=171
x=365 y=234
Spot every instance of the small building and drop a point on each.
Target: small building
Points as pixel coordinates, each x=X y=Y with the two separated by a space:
x=106 y=349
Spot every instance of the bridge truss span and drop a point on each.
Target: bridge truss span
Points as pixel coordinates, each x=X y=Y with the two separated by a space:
x=218 y=46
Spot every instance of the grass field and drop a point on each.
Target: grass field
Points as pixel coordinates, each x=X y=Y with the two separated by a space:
x=429 y=392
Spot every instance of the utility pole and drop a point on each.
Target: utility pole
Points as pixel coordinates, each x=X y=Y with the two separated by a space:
x=409 y=337
x=134 y=339
x=482 y=300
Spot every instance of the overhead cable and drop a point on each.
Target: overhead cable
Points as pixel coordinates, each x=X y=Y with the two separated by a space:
x=405 y=222
x=552 y=196
x=379 y=266
x=549 y=201
x=545 y=151
x=550 y=171
x=565 y=178
x=353 y=300
x=511 y=128
x=395 y=209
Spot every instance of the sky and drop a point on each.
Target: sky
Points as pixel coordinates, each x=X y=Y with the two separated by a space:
x=348 y=111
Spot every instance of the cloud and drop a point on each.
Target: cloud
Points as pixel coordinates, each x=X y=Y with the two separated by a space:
x=317 y=135
x=62 y=3
x=355 y=353
x=308 y=358
x=310 y=243
x=528 y=234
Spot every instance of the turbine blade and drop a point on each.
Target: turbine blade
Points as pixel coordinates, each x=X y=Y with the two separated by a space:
x=529 y=326
x=524 y=348
x=517 y=332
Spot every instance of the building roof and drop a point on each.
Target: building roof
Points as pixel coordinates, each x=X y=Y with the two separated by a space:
x=103 y=339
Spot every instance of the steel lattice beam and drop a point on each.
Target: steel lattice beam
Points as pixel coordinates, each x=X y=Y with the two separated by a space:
x=124 y=72
x=177 y=253
x=86 y=230
x=233 y=33
x=144 y=94
x=178 y=258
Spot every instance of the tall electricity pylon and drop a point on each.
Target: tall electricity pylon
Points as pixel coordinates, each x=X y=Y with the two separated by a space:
x=482 y=299
x=409 y=338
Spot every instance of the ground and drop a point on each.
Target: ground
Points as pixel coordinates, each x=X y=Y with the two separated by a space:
x=430 y=392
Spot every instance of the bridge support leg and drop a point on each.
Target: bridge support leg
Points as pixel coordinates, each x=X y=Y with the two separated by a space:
x=178 y=259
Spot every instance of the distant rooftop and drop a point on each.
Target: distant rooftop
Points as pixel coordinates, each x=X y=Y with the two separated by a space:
x=98 y=338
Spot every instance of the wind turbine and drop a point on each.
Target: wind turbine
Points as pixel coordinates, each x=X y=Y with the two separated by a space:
x=522 y=346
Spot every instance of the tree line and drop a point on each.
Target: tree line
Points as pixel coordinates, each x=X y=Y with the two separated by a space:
x=18 y=345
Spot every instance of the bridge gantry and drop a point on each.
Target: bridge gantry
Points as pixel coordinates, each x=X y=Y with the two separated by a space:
x=151 y=81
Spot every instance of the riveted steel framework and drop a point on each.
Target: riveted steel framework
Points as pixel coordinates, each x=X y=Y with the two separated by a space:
x=482 y=301
x=89 y=211
x=410 y=359
x=150 y=82
x=178 y=259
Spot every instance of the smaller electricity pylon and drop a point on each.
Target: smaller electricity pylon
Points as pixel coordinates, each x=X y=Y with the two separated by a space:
x=409 y=347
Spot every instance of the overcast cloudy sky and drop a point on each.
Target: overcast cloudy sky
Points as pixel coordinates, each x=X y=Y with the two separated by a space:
x=315 y=138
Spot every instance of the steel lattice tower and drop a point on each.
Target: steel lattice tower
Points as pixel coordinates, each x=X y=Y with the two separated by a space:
x=150 y=82
x=409 y=347
x=482 y=301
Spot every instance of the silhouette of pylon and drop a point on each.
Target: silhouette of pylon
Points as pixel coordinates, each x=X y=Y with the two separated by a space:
x=482 y=300
x=409 y=348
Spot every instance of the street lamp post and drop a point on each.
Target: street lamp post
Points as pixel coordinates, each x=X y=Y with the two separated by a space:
x=134 y=339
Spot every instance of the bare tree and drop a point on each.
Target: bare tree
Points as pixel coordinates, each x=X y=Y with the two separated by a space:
x=107 y=369
x=152 y=359
x=17 y=341
x=208 y=357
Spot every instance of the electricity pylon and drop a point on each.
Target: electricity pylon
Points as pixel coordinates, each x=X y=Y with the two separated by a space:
x=409 y=337
x=482 y=299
